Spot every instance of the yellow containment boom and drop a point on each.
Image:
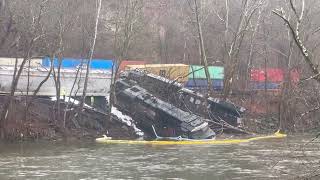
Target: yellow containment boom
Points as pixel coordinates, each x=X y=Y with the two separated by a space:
x=108 y=140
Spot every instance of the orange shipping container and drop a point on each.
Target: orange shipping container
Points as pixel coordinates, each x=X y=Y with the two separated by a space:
x=170 y=71
x=124 y=63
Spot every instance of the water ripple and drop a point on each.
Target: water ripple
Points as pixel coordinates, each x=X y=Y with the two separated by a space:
x=258 y=160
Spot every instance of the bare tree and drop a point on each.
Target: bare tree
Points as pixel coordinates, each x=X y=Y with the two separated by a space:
x=91 y=53
x=37 y=34
x=2 y=5
x=202 y=48
x=125 y=26
x=248 y=9
x=295 y=31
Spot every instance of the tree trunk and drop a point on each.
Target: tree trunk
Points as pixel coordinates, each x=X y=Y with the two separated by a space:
x=7 y=104
x=91 y=55
x=202 y=49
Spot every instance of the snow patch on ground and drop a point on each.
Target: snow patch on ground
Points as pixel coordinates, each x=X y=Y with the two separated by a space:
x=122 y=117
x=126 y=119
x=69 y=99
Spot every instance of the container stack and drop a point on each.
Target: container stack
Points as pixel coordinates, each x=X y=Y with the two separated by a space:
x=71 y=63
x=34 y=62
x=178 y=72
x=270 y=78
x=197 y=79
x=125 y=63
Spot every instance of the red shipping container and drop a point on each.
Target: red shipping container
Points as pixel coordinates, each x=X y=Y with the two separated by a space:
x=257 y=75
x=273 y=75
x=124 y=63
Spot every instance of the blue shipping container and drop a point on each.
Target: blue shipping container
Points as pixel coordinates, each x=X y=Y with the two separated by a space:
x=264 y=85
x=73 y=63
x=203 y=84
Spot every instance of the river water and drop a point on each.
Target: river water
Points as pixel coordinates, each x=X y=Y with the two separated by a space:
x=268 y=159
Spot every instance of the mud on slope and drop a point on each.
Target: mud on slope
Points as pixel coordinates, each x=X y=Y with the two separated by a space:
x=42 y=121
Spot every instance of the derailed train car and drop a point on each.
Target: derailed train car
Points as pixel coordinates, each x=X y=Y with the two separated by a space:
x=220 y=111
x=168 y=120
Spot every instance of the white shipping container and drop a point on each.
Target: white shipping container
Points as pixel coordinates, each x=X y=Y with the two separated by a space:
x=98 y=83
x=35 y=62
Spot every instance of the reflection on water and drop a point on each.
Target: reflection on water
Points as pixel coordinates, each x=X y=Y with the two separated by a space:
x=255 y=160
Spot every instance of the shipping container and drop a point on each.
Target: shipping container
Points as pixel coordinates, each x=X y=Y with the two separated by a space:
x=125 y=63
x=273 y=75
x=177 y=72
x=34 y=62
x=216 y=72
x=71 y=63
x=98 y=83
x=217 y=84
x=265 y=85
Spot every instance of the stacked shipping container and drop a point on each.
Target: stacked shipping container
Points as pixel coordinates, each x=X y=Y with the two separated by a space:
x=35 y=62
x=270 y=79
x=192 y=76
x=197 y=78
x=71 y=63
x=177 y=72
x=125 y=63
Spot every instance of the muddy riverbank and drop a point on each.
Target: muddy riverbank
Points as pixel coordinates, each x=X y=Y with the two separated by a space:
x=38 y=118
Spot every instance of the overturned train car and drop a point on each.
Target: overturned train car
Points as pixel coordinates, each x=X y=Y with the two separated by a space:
x=168 y=120
x=220 y=112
